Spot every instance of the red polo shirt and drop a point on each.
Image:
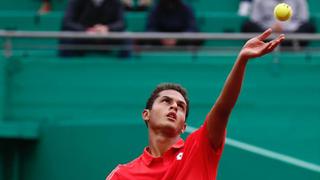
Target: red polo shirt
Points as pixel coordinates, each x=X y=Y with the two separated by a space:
x=189 y=160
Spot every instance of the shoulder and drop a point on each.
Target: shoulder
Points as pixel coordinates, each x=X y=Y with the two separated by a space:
x=113 y=175
x=196 y=135
x=129 y=166
x=199 y=139
x=154 y=8
x=123 y=169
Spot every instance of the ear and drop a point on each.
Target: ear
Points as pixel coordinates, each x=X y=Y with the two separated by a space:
x=184 y=128
x=146 y=115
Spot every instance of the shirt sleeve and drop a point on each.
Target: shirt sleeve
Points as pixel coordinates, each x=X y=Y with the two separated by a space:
x=118 y=24
x=192 y=25
x=113 y=175
x=151 y=25
x=72 y=11
x=200 y=140
x=198 y=151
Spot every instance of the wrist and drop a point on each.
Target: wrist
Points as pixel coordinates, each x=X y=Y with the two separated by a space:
x=242 y=58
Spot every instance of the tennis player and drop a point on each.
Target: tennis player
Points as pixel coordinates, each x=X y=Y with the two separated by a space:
x=168 y=157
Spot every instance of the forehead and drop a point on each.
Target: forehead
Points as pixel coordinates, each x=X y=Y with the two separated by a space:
x=172 y=94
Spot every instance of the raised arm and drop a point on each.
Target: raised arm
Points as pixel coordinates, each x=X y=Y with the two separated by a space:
x=217 y=118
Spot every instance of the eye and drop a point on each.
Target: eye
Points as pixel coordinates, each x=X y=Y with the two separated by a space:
x=166 y=100
x=181 y=106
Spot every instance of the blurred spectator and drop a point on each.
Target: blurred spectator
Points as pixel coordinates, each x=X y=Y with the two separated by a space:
x=92 y=16
x=262 y=17
x=141 y=5
x=172 y=16
x=244 y=7
x=45 y=7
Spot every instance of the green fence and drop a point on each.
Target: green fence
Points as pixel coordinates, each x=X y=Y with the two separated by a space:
x=79 y=118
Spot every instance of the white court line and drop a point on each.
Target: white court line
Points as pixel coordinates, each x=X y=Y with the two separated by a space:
x=267 y=153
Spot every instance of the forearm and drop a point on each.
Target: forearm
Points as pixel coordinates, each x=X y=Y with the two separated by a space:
x=219 y=114
x=217 y=118
x=118 y=24
x=73 y=26
x=151 y=22
x=232 y=87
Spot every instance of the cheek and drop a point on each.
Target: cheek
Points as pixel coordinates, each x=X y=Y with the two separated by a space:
x=182 y=117
x=156 y=112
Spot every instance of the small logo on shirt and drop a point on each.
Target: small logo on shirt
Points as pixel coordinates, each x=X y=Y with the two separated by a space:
x=179 y=156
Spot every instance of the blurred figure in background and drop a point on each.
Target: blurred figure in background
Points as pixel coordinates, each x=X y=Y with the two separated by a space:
x=261 y=17
x=45 y=7
x=172 y=16
x=244 y=7
x=94 y=17
x=140 y=5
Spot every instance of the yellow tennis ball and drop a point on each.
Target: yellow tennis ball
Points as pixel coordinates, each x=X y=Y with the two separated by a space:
x=282 y=12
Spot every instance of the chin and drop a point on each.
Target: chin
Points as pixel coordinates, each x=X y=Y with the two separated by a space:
x=171 y=129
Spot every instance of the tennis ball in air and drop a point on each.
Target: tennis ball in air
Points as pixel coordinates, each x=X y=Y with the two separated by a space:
x=282 y=12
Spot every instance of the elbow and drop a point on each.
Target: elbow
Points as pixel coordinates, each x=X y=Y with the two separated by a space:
x=223 y=109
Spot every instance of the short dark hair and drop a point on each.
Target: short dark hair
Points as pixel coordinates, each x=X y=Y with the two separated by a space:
x=168 y=86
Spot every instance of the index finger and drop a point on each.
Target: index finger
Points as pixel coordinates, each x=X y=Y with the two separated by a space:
x=265 y=34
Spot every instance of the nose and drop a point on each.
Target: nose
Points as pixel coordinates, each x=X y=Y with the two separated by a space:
x=174 y=106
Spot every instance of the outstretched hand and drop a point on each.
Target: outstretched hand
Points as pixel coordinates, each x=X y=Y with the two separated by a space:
x=256 y=46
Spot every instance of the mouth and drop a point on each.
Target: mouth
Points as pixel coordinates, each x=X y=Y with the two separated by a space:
x=172 y=116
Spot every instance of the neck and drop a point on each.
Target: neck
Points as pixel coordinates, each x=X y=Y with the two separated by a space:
x=159 y=143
